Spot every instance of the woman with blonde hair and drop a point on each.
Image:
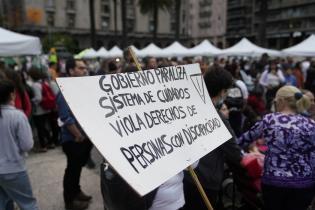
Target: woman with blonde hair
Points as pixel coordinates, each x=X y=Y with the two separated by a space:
x=287 y=181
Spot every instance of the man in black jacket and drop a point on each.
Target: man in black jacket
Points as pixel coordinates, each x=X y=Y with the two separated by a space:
x=210 y=169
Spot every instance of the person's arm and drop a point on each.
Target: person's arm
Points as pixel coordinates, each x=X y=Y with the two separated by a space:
x=27 y=105
x=37 y=90
x=24 y=133
x=67 y=118
x=281 y=76
x=263 y=78
x=253 y=134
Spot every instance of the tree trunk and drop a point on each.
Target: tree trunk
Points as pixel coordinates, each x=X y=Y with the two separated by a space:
x=92 y=23
x=115 y=17
x=263 y=22
x=177 y=18
x=124 y=22
x=155 y=19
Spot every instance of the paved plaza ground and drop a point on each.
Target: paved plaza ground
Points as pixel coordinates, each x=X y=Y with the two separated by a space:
x=46 y=172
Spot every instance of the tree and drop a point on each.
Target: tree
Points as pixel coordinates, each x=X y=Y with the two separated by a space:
x=263 y=13
x=92 y=23
x=177 y=18
x=153 y=7
x=115 y=16
x=124 y=22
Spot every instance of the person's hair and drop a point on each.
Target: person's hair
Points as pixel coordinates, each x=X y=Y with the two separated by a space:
x=112 y=67
x=35 y=73
x=273 y=62
x=6 y=88
x=217 y=79
x=2 y=75
x=294 y=98
x=51 y=64
x=70 y=64
x=16 y=78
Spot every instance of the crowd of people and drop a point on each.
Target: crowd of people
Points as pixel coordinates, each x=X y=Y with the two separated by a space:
x=267 y=105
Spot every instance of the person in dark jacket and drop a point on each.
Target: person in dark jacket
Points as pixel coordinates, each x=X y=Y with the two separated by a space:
x=210 y=168
x=75 y=145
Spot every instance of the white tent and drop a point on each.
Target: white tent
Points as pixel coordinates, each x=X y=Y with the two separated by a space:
x=135 y=50
x=115 y=52
x=150 y=50
x=102 y=53
x=247 y=48
x=175 y=49
x=90 y=53
x=305 y=48
x=205 y=48
x=14 y=44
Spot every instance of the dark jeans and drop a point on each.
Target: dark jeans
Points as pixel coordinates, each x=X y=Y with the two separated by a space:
x=280 y=198
x=55 y=129
x=118 y=195
x=193 y=199
x=77 y=156
x=41 y=122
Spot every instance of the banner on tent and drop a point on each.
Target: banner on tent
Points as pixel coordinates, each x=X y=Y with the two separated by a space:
x=149 y=125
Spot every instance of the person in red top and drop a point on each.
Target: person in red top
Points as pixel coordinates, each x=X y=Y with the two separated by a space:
x=22 y=99
x=297 y=72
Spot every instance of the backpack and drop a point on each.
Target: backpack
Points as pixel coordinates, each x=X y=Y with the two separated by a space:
x=48 y=101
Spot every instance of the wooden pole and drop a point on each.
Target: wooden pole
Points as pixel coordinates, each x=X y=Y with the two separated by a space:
x=135 y=59
x=190 y=169
x=200 y=188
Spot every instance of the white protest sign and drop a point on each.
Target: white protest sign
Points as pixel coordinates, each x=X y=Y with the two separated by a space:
x=149 y=125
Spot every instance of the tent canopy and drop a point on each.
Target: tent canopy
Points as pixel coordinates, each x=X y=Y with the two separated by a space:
x=205 y=48
x=102 y=53
x=305 y=48
x=115 y=52
x=90 y=53
x=150 y=50
x=175 y=49
x=247 y=48
x=14 y=44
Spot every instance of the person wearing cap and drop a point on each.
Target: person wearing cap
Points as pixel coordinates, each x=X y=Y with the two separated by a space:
x=287 y=181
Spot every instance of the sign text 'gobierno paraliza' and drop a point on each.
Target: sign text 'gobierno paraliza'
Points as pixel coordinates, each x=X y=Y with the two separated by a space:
x=149 y=125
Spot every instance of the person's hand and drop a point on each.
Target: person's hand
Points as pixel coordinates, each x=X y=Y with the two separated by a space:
x=79 y=139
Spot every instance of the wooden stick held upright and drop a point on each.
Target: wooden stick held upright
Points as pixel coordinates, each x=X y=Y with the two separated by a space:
x=135 y=59
x=200 y=188
x=190 y=169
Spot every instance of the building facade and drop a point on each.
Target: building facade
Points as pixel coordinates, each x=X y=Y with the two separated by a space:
x=207 y=20
x=45 y=18
x=287 y=21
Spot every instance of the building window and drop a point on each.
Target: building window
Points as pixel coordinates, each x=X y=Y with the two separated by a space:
x=105 y=8
x=50 y=17
x=151 y=26
x=71 y=20
x=173 y=26
x=130 y=25
x=105 y=23
x=70 y=4
x=50 y=4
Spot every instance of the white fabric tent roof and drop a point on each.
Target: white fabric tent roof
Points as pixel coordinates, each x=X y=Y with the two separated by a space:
x=90 y=53
x=102 y=53
x=175 y=49
x=205 y=48
x=150 y=50
x=14 y=44
x=247 y=48
x=115 y=52
x=135 y=50
x=305 y=48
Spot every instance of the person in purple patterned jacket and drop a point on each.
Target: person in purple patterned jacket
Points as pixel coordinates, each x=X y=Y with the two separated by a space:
x=288 y=177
